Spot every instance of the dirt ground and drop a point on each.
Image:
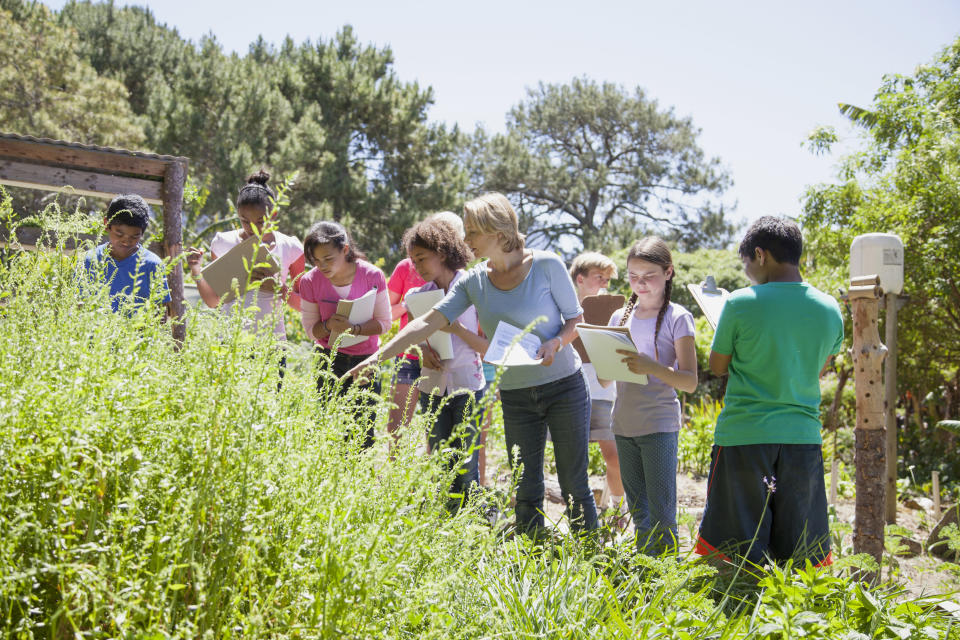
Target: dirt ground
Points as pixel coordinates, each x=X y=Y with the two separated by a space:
x=920 y=574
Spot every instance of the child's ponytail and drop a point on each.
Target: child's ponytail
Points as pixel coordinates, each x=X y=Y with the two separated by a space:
x=627 y=310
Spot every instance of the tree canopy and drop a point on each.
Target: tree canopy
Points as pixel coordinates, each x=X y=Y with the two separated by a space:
x=334 y=111
x=600 y=164
x=905 y=179
x=50 y=91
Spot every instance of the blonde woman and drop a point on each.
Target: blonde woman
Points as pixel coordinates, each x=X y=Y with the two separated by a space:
x=517 y=286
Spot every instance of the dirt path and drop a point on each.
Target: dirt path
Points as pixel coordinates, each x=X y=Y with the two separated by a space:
x=920 y=574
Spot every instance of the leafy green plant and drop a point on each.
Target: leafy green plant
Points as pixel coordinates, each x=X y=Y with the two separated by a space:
x=154 y=491
x=696 y=437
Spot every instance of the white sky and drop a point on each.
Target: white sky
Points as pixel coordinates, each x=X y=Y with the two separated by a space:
x=756 y=77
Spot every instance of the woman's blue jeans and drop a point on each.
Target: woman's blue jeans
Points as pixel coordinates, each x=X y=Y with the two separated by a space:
x=648 y=468
x=564 y=405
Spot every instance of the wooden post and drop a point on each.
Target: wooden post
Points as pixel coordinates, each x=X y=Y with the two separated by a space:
x=868 y=355
x=890 y=402
x=935 y=490
x=173 y=182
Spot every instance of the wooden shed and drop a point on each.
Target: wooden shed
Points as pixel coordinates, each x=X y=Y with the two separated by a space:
x=104 y=172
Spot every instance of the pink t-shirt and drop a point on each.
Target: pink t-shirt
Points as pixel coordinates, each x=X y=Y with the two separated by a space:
x=319 y=300
x=404 y=278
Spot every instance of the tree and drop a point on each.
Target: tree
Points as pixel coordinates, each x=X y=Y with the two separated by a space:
x=905 y=180
x=594 y=163
x=49 y=91
x=333 y=111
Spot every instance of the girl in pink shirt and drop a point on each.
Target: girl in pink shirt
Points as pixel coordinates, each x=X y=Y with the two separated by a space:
x=340 y=272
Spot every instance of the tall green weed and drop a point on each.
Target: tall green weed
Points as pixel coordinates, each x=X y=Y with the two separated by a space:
x=156 y=492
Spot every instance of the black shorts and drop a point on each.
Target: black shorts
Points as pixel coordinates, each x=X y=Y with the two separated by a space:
x=766 y=500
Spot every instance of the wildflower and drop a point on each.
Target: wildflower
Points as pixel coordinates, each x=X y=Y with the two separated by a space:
x=771 y=484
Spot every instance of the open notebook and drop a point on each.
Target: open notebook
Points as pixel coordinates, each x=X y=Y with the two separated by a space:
x=357 y=311
x=601 y=343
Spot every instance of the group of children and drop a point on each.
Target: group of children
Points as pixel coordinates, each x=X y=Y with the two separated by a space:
x=772 y=340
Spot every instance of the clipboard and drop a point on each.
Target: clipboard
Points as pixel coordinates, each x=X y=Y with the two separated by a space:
x=597 y=311
x=234 y=264
x=602 y=342
x=710 y=298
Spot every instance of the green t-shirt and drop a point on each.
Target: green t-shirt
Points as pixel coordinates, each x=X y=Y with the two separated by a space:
x=779 y=335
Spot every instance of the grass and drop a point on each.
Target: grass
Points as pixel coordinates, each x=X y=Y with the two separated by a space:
x=150 y=492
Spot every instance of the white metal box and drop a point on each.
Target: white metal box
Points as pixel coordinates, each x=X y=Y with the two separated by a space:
x=881 y=254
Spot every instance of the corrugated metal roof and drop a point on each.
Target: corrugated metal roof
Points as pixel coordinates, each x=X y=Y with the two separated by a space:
x=92 y=147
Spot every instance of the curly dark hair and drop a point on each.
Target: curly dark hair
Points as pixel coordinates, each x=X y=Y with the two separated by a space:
x=440 y=237
x=780 y=236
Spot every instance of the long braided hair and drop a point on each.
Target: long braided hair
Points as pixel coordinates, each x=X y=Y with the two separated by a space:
x=651 y=249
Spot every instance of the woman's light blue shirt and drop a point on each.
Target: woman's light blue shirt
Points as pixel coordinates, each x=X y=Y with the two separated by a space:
x=546 y=292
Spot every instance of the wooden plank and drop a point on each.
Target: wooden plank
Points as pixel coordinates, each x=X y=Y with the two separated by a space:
x=35 y=176
x=31 y=237
x=72 y=157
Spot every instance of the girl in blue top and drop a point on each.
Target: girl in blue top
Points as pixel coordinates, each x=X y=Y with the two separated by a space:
x=646 y=418
x=517 y=286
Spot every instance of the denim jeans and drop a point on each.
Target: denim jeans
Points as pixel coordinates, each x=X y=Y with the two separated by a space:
x=564 y=405
x=365 y=410
x=648 y=468
x=453 y=429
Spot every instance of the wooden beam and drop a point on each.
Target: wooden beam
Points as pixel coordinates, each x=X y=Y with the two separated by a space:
x=173 y=183
x=36 y=176
x=72 y=157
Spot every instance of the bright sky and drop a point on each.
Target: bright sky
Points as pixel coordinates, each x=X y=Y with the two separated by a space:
x=756 y=77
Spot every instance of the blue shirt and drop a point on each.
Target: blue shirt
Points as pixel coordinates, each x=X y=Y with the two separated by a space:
x=546 y=291
x=128 y=279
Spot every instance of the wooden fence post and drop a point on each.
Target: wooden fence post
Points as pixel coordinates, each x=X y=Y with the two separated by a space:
x=173 y=182
x=890 y=402
x=870 y=432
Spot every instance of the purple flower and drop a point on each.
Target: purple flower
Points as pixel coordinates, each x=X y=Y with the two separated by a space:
x=771 y=484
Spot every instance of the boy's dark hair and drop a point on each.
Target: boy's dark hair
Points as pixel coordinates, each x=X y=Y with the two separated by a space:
x=441 y=238
x=130 y=209
x=779 y=236
x=256 y=191
x=332 y=233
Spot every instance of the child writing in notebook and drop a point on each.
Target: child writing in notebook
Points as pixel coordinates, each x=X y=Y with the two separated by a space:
x=256 y=205
x=340 y=272
x=646 y=418
x=439 y=255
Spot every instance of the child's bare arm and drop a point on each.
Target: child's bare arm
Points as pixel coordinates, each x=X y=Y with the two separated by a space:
x=476 y=342
x=719 y=363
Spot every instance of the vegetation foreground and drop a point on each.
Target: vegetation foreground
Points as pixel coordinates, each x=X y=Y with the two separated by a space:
x=152 y=493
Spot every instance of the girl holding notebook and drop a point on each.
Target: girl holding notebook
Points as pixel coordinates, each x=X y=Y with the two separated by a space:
x=646 y=417
x=340 y=272
x=255 y=208
x=451 y=387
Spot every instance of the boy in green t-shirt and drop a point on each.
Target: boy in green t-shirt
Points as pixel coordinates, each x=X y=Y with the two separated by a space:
x=773 y=340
